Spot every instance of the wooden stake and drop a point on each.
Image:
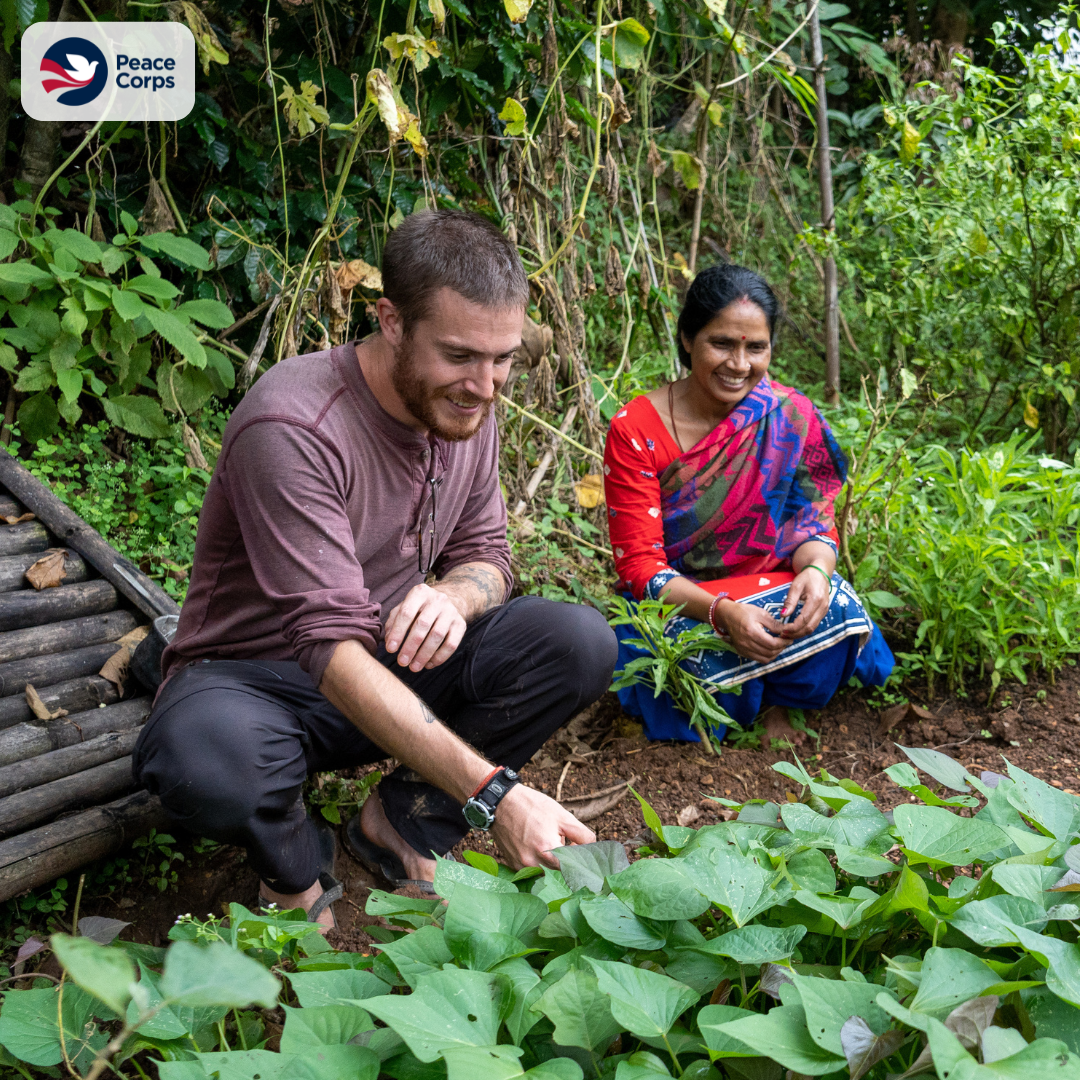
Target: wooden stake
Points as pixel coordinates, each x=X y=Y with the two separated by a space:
x=828 y=217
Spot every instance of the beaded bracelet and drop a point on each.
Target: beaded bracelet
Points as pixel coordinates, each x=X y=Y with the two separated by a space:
x=813 y=566
x=712 y=615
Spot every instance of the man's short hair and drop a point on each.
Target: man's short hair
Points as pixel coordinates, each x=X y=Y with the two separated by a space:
x=434 y=249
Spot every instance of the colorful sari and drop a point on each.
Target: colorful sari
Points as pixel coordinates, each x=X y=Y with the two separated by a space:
x=733 y=509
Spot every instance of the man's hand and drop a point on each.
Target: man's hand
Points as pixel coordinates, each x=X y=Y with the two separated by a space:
x=528 y=825
x=752 y=631
x=424 y=629
x=812 y=589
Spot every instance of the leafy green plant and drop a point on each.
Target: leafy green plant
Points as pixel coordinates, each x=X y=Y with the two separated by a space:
x=145 y=503
x=664 y=669
x=823 y=936
x=332 y=793
x=84 y=319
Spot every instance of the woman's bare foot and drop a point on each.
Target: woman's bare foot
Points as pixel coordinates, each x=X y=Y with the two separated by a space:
x=778 y=726
x=377 y=828
x=289 y=901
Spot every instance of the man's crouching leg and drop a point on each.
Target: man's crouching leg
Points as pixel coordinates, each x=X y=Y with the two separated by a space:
x=520 y=673
x=228 y=763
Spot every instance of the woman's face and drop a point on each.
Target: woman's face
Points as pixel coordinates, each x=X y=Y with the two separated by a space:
x=730 y=355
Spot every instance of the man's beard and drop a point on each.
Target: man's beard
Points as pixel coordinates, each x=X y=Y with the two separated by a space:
x=419 y=398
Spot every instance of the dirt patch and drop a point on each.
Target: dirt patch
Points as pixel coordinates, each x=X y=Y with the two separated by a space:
x=1036 y=727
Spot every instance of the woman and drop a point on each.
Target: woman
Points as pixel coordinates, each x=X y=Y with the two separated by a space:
x=720 y=490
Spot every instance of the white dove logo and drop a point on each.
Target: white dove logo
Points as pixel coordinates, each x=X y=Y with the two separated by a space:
x=80 y=72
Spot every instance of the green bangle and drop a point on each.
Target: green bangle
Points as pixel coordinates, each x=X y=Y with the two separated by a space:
x=813 y=566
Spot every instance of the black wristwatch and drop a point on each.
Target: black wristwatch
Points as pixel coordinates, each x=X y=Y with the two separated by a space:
x=479 y=810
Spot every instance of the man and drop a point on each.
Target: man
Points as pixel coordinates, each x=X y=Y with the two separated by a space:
x=347 y=602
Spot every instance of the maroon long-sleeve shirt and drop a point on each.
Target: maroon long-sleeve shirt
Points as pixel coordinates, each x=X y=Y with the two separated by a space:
x=308 y=533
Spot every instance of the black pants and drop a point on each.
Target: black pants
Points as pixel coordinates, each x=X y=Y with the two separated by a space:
x=230 y=742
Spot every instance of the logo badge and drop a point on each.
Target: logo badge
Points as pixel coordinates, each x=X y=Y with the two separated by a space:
x=76 y=67
x=129 y=71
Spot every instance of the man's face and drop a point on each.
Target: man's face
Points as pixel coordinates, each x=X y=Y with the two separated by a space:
x=449 y=368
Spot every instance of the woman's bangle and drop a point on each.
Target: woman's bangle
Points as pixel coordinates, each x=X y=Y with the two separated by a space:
x=814 y=566
x=712 y=615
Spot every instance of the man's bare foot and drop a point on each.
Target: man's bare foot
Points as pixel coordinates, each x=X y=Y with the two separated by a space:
x=778 y=726
x=377 y=828
x=289 y=901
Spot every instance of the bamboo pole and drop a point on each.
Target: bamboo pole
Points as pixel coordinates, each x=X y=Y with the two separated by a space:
x=828 y=218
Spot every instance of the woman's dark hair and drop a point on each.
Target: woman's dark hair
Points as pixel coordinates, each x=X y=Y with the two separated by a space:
x=715 y=289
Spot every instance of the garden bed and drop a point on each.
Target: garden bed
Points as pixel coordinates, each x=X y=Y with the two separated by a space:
x=676 y=779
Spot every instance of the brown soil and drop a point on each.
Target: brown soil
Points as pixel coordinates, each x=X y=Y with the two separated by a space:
x=604 y=747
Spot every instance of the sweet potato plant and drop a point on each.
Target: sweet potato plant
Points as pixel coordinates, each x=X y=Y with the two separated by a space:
x=819 y=937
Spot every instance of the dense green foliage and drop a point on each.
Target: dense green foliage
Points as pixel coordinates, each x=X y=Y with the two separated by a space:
x=783 y=939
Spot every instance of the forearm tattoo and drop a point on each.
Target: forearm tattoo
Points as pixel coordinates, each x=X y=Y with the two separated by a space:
x=482 y=585
x=429 y=716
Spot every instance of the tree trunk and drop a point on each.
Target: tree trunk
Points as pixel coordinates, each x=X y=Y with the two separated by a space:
x=832 y=300
x=949 y=24
x=7 y=73
x=41 y=138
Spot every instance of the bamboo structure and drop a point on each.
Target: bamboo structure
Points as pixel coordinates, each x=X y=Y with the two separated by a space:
x=67 y=795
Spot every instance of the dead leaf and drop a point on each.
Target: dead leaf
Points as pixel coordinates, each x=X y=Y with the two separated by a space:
x=655 y=161
x=590 y=490
x=194 y=458
x=157 y=216
x=536 y=341
x=773 y=976
x=863 y=1049
x=357 y=272
x=332 y=303
x=115 y=669
x=11 y=519
x=620 y=113
x=688 y=815
x=614 y=281
x=722 y=992
x=49 y=570
x=610 y=178
x=39 y=708
x=900 y=714
x=967 y=1022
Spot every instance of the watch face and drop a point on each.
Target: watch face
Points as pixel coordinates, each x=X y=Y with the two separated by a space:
x=477 y=815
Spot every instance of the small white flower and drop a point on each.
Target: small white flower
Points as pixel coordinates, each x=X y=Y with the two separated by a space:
x=654 y=511
x=619 y=553
x=763 y=581
x=634 y=443
x=607 y=470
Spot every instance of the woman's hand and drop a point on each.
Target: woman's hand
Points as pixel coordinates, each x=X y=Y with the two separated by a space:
x=752 y=630
x=811 y=588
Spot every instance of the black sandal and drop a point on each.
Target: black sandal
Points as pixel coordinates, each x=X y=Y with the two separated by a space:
x=333 y=890
x=379 y=860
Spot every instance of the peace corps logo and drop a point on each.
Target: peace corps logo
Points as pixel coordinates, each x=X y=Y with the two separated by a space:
x=77 y=68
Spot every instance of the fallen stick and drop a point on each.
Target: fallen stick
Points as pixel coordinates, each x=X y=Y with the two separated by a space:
x=44 y=854
x=67 y=634
x=603 y=791
x=19 y=812
x=24 y=741
x=25 y=608
x=66 y=762
x=544 y=464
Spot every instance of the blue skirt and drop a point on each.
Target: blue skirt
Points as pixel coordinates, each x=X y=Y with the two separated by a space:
x=806 y=675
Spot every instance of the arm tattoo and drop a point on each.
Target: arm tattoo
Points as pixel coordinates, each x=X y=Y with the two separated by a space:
x=482 y=585
x=429 y=716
